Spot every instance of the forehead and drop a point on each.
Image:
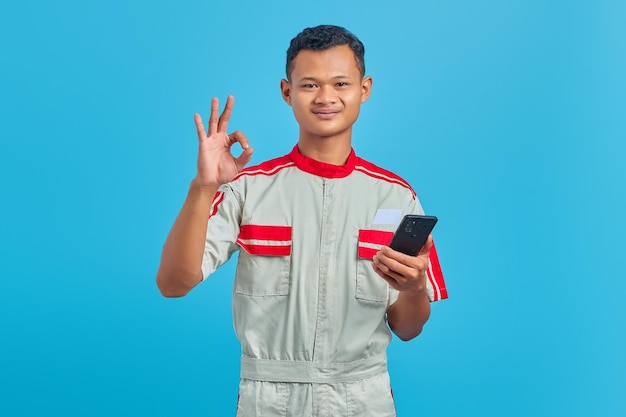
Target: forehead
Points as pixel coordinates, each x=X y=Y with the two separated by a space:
x=338 y=60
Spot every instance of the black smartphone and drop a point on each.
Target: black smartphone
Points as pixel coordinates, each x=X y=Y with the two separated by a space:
x=412 y=233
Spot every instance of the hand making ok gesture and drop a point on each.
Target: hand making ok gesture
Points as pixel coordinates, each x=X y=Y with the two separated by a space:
x=216 y=165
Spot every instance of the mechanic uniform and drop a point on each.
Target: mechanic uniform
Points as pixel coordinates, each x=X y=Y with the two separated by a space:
x=308 y=308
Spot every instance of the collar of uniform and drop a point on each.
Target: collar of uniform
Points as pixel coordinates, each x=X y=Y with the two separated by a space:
x=322 y=169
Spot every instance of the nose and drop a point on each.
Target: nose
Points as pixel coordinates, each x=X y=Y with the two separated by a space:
x=326 y=95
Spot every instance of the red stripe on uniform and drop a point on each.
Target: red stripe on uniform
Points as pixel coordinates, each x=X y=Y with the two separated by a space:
x=367 y=253
x=439 y=283
x=268 y=250
x=267 y=168
x=219 y=197
x=379 y=237
x=377 y=172
x=258 y=232
x=372 y=237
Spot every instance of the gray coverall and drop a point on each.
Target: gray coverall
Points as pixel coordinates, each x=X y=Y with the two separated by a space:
x=308 y=308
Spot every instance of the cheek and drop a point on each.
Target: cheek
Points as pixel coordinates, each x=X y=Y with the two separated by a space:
x=298 y=107
x=354 y=105
x=354 y=98
x=299 y=113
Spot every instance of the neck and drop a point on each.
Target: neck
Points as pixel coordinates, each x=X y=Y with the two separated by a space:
x=330 y=150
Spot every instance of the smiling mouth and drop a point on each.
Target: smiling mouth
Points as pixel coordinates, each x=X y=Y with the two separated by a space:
x=326 y=114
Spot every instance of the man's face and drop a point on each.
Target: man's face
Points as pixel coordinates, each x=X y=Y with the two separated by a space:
x=326 y=91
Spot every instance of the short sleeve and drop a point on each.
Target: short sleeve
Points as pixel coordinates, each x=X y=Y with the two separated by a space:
x=222 y=230
x=435 y=284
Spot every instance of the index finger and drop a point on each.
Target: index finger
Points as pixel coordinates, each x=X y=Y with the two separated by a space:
x=199 y=126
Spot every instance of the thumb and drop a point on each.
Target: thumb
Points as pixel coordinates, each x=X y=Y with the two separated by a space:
x=244 y=158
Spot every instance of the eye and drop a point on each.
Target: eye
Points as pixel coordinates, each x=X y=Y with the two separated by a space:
x=342 y=84
x=309 y=86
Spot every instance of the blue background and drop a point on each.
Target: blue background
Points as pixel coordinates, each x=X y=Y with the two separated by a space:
x=508 y=118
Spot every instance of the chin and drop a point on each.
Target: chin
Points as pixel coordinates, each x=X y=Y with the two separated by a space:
x=330 y=134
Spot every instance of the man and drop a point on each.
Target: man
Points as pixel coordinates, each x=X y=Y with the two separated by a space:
x=316 y=288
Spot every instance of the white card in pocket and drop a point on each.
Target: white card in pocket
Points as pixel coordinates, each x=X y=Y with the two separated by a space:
x=388 y=216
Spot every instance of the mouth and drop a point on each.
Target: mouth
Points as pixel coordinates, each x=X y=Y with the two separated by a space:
x=326 y=114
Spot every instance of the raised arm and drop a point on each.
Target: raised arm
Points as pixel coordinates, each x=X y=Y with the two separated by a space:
x=181 y=259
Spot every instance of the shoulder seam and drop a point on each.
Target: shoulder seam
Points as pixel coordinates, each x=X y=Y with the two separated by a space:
x=377 y=172
x=267 y=168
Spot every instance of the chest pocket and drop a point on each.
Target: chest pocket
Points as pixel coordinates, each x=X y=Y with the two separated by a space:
x=264 y=261
x=369 y=286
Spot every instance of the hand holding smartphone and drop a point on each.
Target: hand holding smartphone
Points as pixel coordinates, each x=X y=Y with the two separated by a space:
x=412 y=233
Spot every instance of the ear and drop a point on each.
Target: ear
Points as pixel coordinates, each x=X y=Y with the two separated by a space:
x=366 y=88
x=285 y=89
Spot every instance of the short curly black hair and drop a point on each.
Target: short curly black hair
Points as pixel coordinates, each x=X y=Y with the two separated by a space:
x=322 y=37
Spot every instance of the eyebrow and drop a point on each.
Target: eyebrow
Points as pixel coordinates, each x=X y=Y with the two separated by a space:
x=336 y=77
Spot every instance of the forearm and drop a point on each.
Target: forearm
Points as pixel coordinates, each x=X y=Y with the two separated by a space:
x=409 y=313
x=181 y=259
